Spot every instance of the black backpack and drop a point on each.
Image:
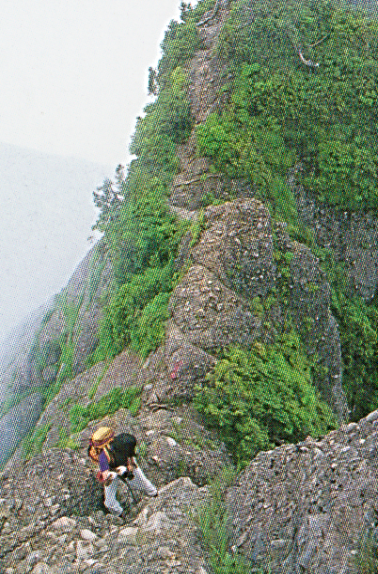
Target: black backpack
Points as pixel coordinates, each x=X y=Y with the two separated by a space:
x=121 y=448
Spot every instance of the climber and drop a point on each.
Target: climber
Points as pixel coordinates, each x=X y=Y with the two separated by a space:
x=115 y=456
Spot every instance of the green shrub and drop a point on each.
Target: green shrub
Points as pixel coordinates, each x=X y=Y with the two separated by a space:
x=129 y=310
x=213 y=521
x=358 y=325
x=142 y=235
x=149 y=330
x=65 y=441
x=116 y=399
x=256 y=399
x=180 y=43
x=282 y=112
x=366 y=559
x=32 y=444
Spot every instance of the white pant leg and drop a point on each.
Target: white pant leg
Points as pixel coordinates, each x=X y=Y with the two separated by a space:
x=111 y=501
x=140 y=482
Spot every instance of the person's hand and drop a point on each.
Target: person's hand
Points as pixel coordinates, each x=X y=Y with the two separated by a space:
x=102 y=476
x=125 y=472
x=106 y=477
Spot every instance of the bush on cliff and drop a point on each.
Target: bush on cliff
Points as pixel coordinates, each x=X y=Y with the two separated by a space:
x=283 y=111
x=259 y=398
x=144 y=235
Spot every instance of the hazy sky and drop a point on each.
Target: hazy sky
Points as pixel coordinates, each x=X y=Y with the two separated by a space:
x=74 y=72
x=73 y=79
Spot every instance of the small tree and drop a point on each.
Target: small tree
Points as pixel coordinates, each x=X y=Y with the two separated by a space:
x=185 y=9
x=153 y=87
x=108 y=198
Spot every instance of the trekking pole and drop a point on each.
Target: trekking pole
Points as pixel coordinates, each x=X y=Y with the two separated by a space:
x=125 y=480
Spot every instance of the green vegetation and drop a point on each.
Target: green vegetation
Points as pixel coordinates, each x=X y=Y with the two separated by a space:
x=65 y=441
x=141 y=233
x=137 y=313
x=282 y=112
x=213 y=521
x=358 y=324
x=366 y=559
x=116 y=399
x=33 y=442
x=181 y=40
x=94 y=387
x=257 y=399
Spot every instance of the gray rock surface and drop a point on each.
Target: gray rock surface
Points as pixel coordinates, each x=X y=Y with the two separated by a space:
x=52 y=521
x=352 y=238
x=309 y=507
x=240 y=257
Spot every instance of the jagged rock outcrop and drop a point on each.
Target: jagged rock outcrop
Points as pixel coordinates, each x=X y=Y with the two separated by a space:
x=310 y=507
x=234 y=259
x=52 y=521
x=242 y=256
x=300 y=508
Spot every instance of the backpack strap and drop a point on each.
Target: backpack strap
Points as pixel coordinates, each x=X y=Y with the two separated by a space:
x=109 y=455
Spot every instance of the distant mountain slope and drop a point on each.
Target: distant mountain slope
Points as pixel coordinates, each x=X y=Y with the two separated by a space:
x=46 y=218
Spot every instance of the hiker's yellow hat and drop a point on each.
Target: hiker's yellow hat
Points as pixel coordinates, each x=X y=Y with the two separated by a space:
x=102 y=436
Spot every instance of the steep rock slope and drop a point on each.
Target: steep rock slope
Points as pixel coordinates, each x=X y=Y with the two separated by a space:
x=52 y=521
x=311 y=507
x=241 y=279
x=172 y=438
x=352 y=237
x=308 y=507
x=236 y=261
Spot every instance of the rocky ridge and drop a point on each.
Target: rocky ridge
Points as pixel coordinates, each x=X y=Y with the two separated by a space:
x=307 y=507
x=288 y=509
x=230 y=262
x=52 y=522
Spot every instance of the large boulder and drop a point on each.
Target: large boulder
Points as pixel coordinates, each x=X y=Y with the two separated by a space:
x=310 y=507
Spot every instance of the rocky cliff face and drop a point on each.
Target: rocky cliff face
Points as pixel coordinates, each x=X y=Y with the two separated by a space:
x=300 y=508
x=231 y=262
x=311 y=507
x=235 y=261
x=351 y=237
